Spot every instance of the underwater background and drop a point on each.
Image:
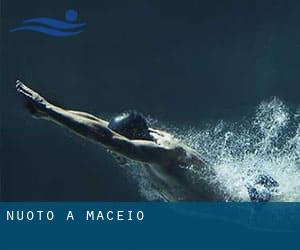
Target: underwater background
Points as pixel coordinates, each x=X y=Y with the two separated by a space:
x=222 y=75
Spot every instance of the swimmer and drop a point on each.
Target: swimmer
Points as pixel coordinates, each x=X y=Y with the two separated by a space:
x=262 y=188
x=129 y=136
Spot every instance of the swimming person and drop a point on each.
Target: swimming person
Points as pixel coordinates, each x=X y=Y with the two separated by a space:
x=129 y=136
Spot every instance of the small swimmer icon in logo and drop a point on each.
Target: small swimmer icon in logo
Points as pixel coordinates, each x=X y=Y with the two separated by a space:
x=53 y=27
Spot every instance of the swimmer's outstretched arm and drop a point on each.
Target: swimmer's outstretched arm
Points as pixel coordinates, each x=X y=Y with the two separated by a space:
x=95 y=129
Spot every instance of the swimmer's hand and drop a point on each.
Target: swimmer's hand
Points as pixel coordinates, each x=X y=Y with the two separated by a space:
x=35 y=103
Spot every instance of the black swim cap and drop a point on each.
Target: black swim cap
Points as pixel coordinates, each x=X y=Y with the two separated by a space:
x=132 y=125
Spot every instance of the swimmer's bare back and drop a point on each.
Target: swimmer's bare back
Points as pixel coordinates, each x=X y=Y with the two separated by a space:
x=166 y=156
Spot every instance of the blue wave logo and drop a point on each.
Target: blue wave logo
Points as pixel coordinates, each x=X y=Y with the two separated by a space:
x=53 y=27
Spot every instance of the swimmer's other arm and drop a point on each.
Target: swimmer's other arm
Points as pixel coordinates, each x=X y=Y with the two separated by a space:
x=95 y=129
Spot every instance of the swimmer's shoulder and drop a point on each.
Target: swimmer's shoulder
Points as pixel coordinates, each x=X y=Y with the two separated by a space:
x=185 y=155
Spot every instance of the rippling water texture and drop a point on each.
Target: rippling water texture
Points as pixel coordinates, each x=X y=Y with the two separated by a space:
x=266 y=142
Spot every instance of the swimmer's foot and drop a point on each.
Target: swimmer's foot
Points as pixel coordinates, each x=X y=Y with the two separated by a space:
x=263 y=188
x=34 y=103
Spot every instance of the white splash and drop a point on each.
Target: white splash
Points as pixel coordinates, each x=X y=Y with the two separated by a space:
x=268 y=142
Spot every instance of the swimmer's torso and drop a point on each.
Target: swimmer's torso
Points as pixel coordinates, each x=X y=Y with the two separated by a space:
x=181 y=183
x=178 y=179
